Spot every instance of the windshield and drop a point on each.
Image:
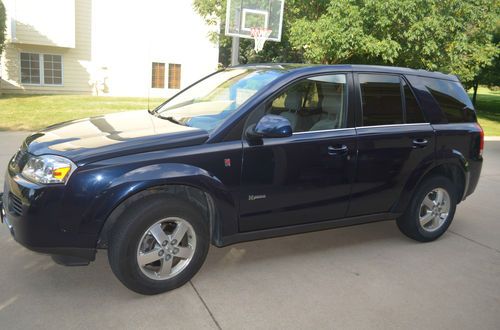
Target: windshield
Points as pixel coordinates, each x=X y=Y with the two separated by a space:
x=208 y=103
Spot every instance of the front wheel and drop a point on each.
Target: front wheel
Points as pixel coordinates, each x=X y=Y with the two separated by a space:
x=159 y=246
x=431 y=210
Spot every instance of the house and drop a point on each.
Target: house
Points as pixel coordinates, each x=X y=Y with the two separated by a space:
x=104 y=47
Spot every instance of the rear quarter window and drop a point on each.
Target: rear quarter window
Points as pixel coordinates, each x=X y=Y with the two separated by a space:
x=451 y=98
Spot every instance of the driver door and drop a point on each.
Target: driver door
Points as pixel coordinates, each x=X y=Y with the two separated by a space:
x=306 y=177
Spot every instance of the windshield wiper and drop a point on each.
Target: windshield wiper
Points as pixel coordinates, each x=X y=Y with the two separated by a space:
x=173 y=120
x=154 y=113
x=169 y=118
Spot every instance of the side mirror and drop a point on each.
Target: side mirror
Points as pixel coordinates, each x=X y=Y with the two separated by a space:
x=270 y=126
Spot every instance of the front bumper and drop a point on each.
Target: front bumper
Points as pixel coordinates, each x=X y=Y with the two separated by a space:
x=3 y=216
x=29 y=211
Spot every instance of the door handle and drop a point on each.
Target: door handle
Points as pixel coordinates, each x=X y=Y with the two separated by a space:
x=337 y=150
x=419 y=143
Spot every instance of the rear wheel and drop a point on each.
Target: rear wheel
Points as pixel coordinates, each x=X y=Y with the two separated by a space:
x=430 y=211
x=159 y=246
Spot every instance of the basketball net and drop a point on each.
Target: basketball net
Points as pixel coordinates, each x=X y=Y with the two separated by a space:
x=260 y=36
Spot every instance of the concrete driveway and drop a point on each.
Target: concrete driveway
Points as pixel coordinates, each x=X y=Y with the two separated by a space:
x=360 y=277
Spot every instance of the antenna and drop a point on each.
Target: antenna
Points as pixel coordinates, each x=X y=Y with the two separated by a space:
x=149 y=82
x=148 y=97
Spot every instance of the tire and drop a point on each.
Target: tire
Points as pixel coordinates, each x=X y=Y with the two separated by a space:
x=135 y=237
x=413 y=223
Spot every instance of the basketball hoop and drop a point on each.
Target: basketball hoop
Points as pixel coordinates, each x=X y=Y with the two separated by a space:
x=260 y=35
x=252 y=19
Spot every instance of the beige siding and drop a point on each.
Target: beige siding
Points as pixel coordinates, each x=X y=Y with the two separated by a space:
x=115 y=43
x=75 y=60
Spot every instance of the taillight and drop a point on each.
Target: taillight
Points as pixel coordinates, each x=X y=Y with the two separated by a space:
x=481 y=142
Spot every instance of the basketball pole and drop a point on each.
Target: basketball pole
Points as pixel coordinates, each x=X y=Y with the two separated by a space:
x=235 y=51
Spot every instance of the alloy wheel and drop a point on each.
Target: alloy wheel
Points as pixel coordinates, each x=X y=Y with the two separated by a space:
x=166 y=248
x=434 y=209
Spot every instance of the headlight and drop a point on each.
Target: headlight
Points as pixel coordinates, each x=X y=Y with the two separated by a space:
x=48 y=169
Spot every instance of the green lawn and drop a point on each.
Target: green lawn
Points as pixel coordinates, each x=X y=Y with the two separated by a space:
x=488 y=110
x=32 y=112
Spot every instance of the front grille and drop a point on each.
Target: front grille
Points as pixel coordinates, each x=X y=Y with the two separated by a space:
x=15 y=205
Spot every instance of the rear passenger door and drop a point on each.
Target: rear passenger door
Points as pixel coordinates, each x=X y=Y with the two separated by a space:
x=394 y=141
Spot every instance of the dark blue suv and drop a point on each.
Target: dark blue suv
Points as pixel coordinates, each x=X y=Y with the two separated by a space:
x=246 y=153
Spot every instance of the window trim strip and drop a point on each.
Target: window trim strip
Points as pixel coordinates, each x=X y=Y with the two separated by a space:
x=393 y=125
x=361 y=127
x=324 y=130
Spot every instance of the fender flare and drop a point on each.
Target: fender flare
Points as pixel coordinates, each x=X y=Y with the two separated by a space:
x=144 y=178
x=455 y=158
x=448 y=157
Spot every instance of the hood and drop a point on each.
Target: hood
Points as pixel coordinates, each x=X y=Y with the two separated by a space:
x=112 y=135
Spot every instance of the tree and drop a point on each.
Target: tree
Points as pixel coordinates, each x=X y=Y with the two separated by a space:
x=453 y=36
x=489 y=75
x=445 y=35
x=2 y=26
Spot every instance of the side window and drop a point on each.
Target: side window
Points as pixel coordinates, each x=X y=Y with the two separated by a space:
x=381 y=99
x=413 y=112
x=313 y=104
x=452 y=99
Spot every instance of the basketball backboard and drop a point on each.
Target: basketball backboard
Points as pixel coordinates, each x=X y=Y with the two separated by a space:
x=243 y=17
